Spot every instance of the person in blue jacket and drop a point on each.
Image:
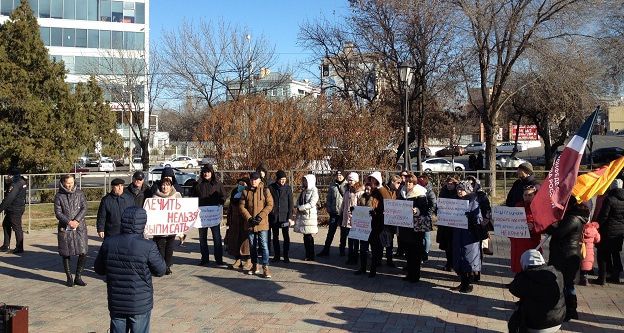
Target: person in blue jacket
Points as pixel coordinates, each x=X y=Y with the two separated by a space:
x=128 y=261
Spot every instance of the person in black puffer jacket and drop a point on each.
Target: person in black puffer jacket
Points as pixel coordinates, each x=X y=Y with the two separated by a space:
x=14 y=205
x=129 y=261
x=111 y=208
x=540 y=290
x=281 y=214
x=611 y=220
x=565 y=250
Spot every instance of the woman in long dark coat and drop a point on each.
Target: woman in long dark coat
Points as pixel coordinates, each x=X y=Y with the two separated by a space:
x=70 y=208
x=466 y=245
x=236 y=237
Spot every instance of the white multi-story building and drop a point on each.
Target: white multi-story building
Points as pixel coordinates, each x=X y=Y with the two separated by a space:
x=275 y=86
x=91 y=36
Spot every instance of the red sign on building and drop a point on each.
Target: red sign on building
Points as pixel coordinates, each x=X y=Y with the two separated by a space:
x=526 y=132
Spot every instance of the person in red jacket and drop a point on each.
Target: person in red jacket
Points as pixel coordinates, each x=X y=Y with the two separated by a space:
x=591 y=236
x=520 y=245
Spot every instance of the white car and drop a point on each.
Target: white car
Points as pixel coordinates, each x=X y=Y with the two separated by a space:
x=475 y=147
x=508 y=162
x=508 y=147
x=440 y=164
x=106 y=164
x=181 y=162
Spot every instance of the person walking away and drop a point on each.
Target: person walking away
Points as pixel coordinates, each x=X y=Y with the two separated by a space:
x=413 y=238
x=306 y=221
x=237 y=237
x=280 y=216
x=165 y=242
x=129 y=261
x=591 y=236
x=350 y=200
x=333 y=205
x=13 y=206
x=520 y=245
x=111 y=208
x=70 y=209
x=611 y=220
x=210 y=192
x=255 y=205
x=565 y=250
x=539 y=287
x=466 y=244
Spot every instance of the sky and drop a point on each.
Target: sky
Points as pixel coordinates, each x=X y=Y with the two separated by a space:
x=277 y=20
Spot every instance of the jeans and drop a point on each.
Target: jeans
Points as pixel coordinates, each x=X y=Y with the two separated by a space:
x=217 y=241
x=130 y=323
x=259 y=238
x=427 y=241
x=276 y=244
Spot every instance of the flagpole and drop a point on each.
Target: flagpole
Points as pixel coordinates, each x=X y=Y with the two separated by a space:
x=541 y=244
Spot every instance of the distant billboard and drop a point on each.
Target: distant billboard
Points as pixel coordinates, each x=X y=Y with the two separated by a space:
x=525 y=132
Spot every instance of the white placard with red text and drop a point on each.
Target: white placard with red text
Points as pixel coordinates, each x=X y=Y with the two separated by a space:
x=170 y=216
x=510 y=222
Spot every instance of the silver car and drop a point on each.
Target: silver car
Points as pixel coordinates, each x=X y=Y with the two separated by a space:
x=508 y=162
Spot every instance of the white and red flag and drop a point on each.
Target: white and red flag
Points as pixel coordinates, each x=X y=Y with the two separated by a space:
x=551 y=199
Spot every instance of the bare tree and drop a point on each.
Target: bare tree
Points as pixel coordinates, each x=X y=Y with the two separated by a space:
x=610 y=44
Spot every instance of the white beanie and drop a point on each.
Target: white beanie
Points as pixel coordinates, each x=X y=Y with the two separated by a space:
x=377 y=176
x=530 y=258
x=353 y=176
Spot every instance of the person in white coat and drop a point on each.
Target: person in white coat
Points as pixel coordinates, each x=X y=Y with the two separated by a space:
x=306 y=220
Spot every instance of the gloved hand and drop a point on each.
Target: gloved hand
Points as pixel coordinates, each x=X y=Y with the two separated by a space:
x=351 y=209
x=257 y=219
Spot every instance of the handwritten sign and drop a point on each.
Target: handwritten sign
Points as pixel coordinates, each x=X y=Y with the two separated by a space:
x=170 y=216
x=452 y=213
x=360 y=223
x=398 y=213
x=209 y=216
x=510 y=222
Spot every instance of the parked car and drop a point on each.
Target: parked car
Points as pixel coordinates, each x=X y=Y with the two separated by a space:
x=508 y=162
x=107 y=164
x=508 y=147
x=451 y=151
x=439 y=164
x=92 y=161
x=181 y=162
x=137 y=164
x=475 y=147
x=208 y=160
x=424 y=152
x=182 y=178
x=606 y=155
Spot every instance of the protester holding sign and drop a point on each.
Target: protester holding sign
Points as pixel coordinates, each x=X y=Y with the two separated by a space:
x=377 y=195
x=389 y=191
x=306 y=222
x=210 y=192
x=466 y=244
x=236 y=237
x=350 y=200
x=520 y=245
x=444 y=235
x=165 y=242
x=413 y=237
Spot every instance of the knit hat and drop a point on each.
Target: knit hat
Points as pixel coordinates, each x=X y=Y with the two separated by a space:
x=377 y=176
x=526 y=167
x=280 y=174
x=530 y=258
x=466 y=185
x=353 y=176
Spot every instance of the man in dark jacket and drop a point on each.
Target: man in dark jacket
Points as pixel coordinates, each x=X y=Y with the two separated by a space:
x=611 y=220
x=137 y=189
x=525 y=178
x=129 y=261
x=280 y=216
x=13 y=205
x=111 y=207
x=210 y=192
x=333 y=205
x=540 y=289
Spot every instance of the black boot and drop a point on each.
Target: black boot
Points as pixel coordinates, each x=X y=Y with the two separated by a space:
x=79 y=267
x=614 y=278
x=362 y=269
x=571 y=304
x=373 y=271
x=324 y=252
x=70 y=280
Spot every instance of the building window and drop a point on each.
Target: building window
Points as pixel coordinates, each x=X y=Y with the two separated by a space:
x=34 y=6
x=56 y=37
x=105 y=10
x=82 y=10
x=117 y=11
x=69 y=9
x=105 y=39
x=81 y=37
x=69 y=37
x=70 y=65
x=92 y=10
x=128 y=12
x=93 y=38
x=117 y=40
x=6 y=7
x=45 y=35
x=56 y=9
x=140 y=13
x=44 y=8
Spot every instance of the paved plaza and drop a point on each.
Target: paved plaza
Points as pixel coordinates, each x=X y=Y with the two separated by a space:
x=322 y=296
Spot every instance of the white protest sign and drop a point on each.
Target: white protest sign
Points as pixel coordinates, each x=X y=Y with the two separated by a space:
x=398 y=213
x=209 y=216
x=170 y=216
x=510 y=222
x=452 y=213
x=360 y=223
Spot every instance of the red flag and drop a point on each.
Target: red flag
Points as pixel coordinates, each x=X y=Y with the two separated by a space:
x=551 y=200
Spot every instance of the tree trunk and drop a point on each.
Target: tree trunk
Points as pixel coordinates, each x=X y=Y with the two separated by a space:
x=490 y=156
x=145 y=154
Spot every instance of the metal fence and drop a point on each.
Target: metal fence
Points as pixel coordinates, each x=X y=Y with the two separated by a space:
x=43 y=187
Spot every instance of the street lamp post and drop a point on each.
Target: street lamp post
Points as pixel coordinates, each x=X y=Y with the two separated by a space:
x=405 y=75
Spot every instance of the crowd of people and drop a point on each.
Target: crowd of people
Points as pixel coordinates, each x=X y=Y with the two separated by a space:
x=260 y=211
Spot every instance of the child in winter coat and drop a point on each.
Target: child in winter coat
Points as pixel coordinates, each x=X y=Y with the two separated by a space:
x=590 y=237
